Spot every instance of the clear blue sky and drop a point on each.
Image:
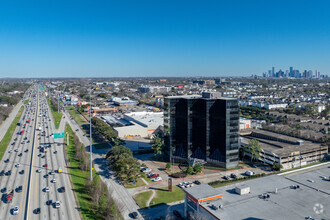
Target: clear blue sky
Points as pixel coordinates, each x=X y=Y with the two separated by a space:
x=162 y=37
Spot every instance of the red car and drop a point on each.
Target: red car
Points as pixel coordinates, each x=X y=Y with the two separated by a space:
x=154 y=176
x=45 y=165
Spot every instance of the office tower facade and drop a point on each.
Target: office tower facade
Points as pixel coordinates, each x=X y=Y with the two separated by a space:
x=273 y=71
x=203 y=128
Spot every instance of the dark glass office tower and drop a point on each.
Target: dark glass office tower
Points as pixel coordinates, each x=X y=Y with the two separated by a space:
x=203 y=128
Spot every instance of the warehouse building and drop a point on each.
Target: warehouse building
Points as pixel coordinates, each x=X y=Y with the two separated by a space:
x=138 y=124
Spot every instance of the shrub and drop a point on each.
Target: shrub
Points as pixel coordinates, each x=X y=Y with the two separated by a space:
x=189 y=170
x=197 y=168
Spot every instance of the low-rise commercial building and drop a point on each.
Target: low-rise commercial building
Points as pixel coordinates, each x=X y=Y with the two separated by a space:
x=272 y=197
x=139 y=124
x=290 y=152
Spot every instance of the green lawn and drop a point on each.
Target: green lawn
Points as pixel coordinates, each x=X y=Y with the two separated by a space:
x=142 y=198
x=84 y=125
x=165 y=196
x=76 y=116
x=78 y=178
x=26 y=101
x=56 y=115
x=6 y=139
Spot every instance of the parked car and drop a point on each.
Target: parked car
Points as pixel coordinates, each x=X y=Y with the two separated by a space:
x=154 y=175
x=157 y=179
x=249 y=173
x=226 y=177
x=233 y=175
x=145 y=169
x=197 y=182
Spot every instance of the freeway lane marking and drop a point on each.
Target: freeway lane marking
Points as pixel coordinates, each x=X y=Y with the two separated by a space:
x=26 y=216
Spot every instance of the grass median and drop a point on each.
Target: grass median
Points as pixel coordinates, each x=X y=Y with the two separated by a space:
x=79 y=119
x=6 y=139
x=78 y=178
x=26 y=101
x=56 y=115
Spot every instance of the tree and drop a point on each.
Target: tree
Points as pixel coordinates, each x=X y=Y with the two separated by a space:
x=197 y=168
x=117 y=151
x=102 y=95
x=189 y=170
x=157 y=145
x=255 y=149
x=277 y=166
x=168 y=166
x=243 y=149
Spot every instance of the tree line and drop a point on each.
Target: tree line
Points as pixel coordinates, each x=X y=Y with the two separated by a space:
x=103 y=204
x=107 y=131
x=122 y=162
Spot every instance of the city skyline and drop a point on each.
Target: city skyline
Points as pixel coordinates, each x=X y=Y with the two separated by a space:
x=163 y=38
x=293 y=73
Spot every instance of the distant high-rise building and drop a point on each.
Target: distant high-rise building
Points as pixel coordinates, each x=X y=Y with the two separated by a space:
x=310 y=74
x=317 y=74
x=203 y=128
x=273 y=71
x=291 y=72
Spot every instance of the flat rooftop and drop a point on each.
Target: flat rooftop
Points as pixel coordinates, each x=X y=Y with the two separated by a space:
x=149 y=119
x=198 y=97
x=202 y=191
x=279 y=147
x=311 y=199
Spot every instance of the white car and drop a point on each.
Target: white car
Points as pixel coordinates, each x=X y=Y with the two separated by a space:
x=57 y=204
x=15 y=210
x=39 y=170
x=10 y=151
x=53 y=180
x=157 y=179
x=17 y=165
x=147 y=170
x=16 y=150
x=47 y=189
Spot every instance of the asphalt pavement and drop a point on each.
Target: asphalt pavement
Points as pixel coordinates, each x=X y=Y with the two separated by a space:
x=23 y=154
x=124 y=201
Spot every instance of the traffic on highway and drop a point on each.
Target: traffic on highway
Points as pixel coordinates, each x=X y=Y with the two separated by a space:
x=34 y=181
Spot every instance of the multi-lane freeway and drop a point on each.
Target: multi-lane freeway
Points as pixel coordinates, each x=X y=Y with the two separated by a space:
x=30 y=182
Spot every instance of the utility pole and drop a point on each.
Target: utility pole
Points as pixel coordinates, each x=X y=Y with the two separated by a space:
x=58 y=103
x=90 y=133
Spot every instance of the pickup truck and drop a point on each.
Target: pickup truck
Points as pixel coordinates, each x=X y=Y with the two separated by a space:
x=9 y=197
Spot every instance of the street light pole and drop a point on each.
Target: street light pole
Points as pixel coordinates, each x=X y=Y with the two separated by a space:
x=58 y=103
x=90 y=133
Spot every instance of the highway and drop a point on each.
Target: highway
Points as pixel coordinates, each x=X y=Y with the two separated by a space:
x=123 y=199
x=42 y=150
x=17 y=153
